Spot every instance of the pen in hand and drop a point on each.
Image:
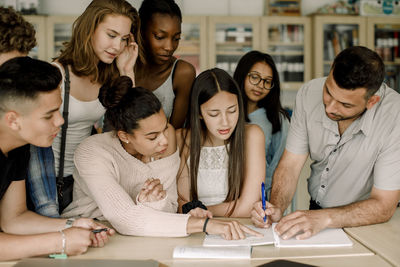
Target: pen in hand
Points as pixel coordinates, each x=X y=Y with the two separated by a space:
x=263 y=199
x=95 y=231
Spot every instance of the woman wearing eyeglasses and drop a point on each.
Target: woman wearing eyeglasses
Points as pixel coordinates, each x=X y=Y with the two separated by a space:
x=258 y=79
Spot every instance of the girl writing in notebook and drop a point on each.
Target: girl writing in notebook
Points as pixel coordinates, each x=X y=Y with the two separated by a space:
x=128 y=176
x=222 y=158
x=170 y=79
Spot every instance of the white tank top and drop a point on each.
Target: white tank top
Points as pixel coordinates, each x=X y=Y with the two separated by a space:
x=165 y=93
x=82 y=116
x=212 y=177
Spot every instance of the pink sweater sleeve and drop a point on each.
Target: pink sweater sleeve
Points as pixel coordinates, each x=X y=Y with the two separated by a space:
x=99 y=176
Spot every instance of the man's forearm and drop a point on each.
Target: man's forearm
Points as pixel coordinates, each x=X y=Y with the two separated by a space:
x=284 y=185
x=366 y=212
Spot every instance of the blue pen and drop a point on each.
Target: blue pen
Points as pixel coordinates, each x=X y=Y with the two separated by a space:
x=263 y=199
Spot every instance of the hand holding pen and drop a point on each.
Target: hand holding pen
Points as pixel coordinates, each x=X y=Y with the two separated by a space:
x=264 y=213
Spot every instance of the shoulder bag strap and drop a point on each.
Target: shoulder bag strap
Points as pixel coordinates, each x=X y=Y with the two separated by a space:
x=60 y=176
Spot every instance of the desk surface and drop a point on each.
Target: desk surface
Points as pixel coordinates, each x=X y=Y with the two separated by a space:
x=361 y=253
x=383 y=239
x=161 y=249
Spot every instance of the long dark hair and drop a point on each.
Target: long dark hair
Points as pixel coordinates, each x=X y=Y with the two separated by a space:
x=205 y=86
x=271 y=103
x=126 y=106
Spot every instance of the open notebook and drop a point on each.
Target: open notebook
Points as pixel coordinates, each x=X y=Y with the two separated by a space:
x=325 y=238
x=214 y=246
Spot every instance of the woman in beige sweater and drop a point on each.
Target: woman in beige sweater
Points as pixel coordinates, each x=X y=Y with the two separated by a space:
x=128 y=176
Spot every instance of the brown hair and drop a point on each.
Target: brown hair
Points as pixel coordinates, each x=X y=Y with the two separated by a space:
x=78 y=52
x=16 y=32
x=205 y=86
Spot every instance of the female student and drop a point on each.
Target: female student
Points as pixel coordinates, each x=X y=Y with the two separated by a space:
x=128 y=176
x=101 y=48
x=222 y=158
x=258 y=79
x=169 y=79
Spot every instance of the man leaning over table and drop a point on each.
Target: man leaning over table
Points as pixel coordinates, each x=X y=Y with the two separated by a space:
x=349 y=124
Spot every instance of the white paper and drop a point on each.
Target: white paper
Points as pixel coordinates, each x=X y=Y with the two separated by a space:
x=326 y=238
x=217 y=240
x=188 y=252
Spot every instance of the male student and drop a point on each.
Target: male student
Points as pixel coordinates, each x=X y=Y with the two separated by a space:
x=349 y=124
x=29 y=114
x=17 y=39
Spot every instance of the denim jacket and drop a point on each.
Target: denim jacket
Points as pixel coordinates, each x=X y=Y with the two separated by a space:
x=274 y=143
x=41 y=182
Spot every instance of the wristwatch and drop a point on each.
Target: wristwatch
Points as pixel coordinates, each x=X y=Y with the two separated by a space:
x=68 y=223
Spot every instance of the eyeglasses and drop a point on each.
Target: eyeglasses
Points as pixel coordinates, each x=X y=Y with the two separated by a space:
x=255 y=79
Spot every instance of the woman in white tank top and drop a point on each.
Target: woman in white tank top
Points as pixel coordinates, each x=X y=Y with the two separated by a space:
x=222 y=158
x=168 y=78
x=102 y=48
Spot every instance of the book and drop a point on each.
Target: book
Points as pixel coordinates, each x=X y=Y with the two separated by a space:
x=332 y=237
x=217 y=240
x=326 y=238
x=201 y=252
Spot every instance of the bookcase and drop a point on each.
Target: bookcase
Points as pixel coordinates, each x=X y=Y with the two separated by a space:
x=230 y=38
x=193 y=44
x=384 y=38
x=331 y=35
x=39 y=23
x=59 y=30
x=288 y=41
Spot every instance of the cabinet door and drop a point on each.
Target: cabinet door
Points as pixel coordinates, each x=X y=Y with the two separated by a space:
x=193 y=44
x=288 y=41
x=59 y=30
x=39 y=23
x=384 y=38
x=230 y=38
x=332 y=34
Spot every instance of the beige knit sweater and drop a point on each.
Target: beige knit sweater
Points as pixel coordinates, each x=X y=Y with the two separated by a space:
x=108 y=181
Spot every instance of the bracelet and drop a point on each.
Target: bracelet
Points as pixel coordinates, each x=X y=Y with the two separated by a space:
x=205 y=225
x=62 y=255
x=63 y=242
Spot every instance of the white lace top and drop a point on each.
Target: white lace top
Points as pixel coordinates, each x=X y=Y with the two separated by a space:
x=212 y=178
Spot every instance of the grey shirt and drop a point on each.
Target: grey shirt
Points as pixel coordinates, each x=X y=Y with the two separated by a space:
x=345 y=168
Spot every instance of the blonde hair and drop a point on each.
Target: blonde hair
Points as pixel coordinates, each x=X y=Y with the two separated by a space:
x=79 y=53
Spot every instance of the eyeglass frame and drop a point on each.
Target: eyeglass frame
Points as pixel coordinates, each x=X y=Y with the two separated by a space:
x=261 y=79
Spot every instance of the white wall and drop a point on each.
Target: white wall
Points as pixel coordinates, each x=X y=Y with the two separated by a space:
x=188 y=7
